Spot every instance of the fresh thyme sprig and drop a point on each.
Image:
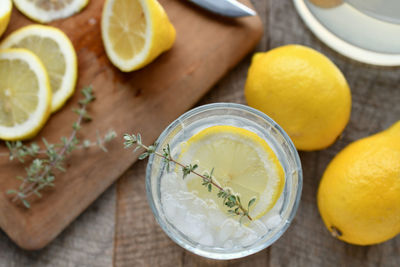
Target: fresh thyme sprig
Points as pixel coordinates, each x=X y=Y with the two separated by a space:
x=230 y=199
x=18 y=150
x=41 y=172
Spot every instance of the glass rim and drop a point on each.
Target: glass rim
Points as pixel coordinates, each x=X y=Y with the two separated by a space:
x=342 y=46
x=238 y=254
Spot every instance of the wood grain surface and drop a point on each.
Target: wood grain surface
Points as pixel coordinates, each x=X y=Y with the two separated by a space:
x=139 y=241
x=145 y=101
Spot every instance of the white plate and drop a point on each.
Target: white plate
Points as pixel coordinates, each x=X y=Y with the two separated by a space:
x=353 y=34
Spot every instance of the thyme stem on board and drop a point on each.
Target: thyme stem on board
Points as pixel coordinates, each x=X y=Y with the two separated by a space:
x=40 y=174
x=230 y=199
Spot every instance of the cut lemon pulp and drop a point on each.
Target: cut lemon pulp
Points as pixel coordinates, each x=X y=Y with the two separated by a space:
x=48 y=10
x=135 y=32
x=57 y=54
x=25 y=94
x=242 y=161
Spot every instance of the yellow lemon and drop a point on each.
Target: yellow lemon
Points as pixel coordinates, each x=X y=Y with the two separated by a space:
x=242 y=161
x=135 y=32
x=49 y=10
x=359 y=194
x=25 y=95
x=303 y=91
x=5 y=14
x=56 y=52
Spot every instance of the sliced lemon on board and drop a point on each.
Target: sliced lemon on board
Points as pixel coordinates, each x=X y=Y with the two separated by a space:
x=25 y=95
x=241 y=160
x=135 y=32
x=45 y=11
x=5 y=14
x=56 y=52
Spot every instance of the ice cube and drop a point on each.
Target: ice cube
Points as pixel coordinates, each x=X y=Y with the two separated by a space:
x=194 y=226
x=180 y=225
x=170 y=184
x=239 y=233
x=199 y=203
x=215 y=218
x=211 y=204
x=273 y=221
x=249 y=239
x=170 y=210
x=258 y=227
x=170 y=206
x=194 y=231
x=180 y=213
x=186 y=197
x=207 y=240
x=228 y=244
x=227 y=229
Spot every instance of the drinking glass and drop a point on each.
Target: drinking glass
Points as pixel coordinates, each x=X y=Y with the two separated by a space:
x=365 y=30
x=235 y=115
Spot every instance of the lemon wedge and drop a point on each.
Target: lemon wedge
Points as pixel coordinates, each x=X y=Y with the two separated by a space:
x=56 y=52
x=49 y=10
x=135 y=32
x=242 y=161
x=25 y=95
x=5 y=13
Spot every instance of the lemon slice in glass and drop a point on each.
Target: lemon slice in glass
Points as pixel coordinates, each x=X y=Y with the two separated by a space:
x=5 y=13
x=45 y=11
x=25 y=95
x=242 y=161
x=135 y=32
x=56 y=52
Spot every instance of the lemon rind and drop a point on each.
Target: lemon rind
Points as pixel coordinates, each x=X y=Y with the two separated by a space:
x=69 y=80
x=137 y=61
x=272 y=161
x=39 y=15
x=5 y=15
x=38 y=118
x=7 y=10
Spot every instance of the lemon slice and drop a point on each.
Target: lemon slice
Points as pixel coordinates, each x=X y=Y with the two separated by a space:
x=56 y=52
x=5 y=13
x=135 y=32
x=45 y=11
x=25 y=95
x=242 y=161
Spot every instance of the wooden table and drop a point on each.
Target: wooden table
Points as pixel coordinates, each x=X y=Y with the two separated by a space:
x=119 y=229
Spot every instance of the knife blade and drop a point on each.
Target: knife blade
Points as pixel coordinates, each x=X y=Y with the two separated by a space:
x=228 y=8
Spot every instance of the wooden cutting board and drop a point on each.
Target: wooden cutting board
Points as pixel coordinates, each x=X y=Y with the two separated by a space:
x=144 y=101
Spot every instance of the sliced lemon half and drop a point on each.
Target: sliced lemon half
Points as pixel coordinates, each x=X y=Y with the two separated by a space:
x=45 y=11
x=242 y=161
x=5 y=14
x=135 y=32
x=25 y=95
x=56 y=52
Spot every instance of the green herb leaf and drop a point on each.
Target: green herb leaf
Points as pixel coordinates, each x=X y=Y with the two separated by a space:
x=251 y=202
x=26 y=203
x=11 y=192
x=143 y=156
x=39 y=174
x=230 y=200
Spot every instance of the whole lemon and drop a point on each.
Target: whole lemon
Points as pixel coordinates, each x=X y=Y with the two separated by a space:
x=359 y=194
x=303 y=91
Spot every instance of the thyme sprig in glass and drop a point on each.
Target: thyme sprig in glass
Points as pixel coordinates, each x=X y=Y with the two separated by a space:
x=40 y=174
x=231 y=200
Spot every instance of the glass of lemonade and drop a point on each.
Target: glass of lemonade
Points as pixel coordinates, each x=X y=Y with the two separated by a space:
x=197 y=223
